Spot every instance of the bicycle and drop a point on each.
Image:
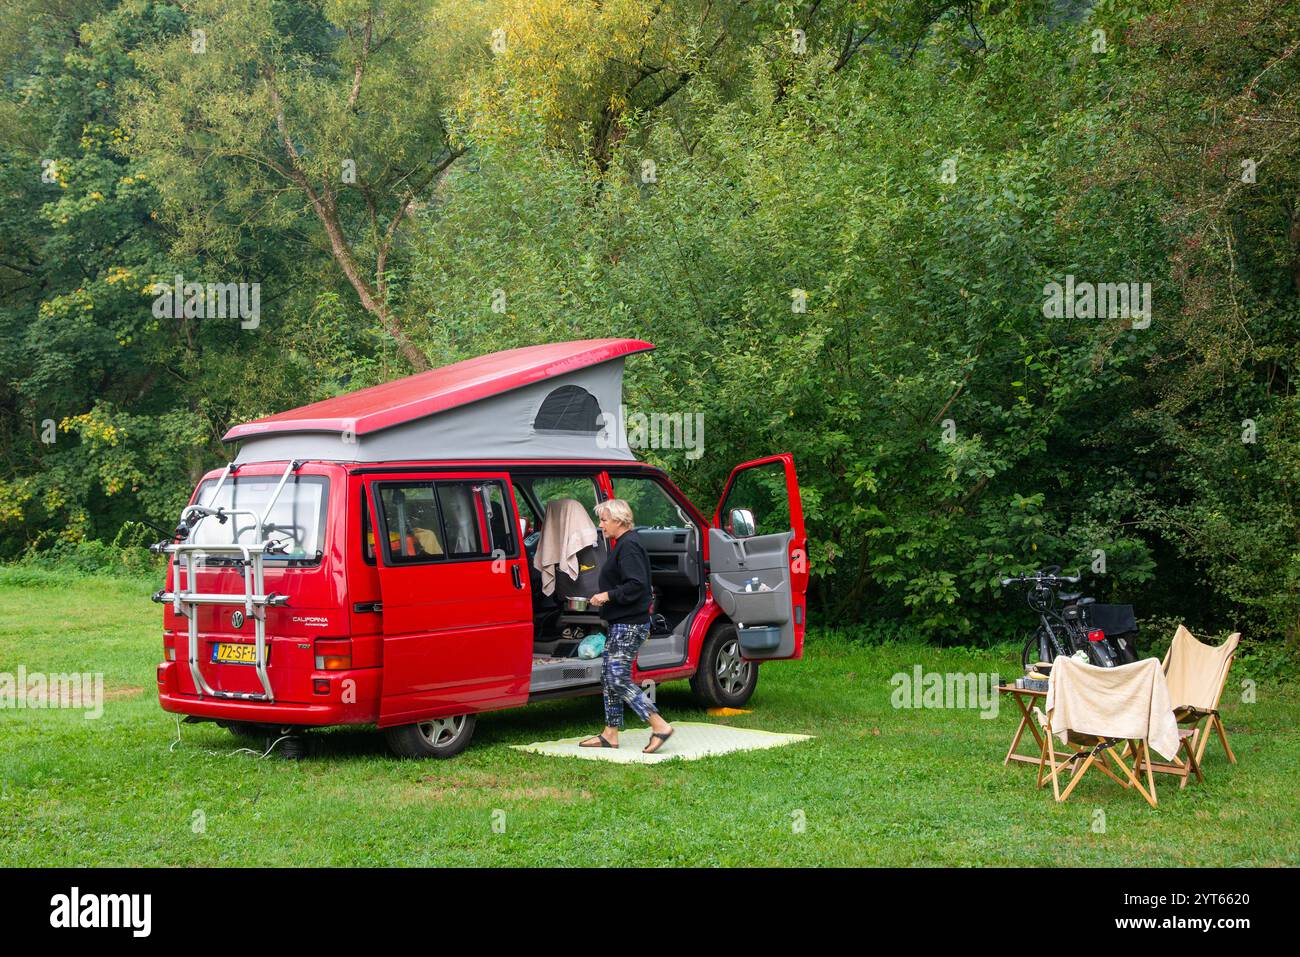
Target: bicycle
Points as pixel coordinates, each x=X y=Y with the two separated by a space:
x=1062 y=629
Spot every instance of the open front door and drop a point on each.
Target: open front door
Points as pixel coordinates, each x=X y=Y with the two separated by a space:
x=458 y=620
x=758 y=558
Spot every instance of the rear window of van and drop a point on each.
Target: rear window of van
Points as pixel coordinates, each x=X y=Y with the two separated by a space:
x=297 y=519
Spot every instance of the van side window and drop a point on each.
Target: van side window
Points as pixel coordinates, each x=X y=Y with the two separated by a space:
x=650 y=502
x=412 y=526
x=460 y=520
x=501 y=527
x=545 y=488
x=367 y=533
x=443 y=521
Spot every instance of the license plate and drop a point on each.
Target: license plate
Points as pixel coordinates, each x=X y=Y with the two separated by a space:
x=228 y=653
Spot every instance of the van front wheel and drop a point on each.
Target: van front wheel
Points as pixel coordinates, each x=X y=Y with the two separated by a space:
x=723 y=679
x=438 y=738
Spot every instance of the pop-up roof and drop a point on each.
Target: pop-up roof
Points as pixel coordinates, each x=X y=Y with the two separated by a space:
x=534 y=402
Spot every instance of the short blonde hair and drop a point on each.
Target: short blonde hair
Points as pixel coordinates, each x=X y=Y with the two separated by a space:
x=616 y=510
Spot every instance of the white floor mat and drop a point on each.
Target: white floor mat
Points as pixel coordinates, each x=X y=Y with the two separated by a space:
x=690 y=740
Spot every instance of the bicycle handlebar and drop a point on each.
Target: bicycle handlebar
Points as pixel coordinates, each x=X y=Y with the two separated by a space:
x=1040 y=578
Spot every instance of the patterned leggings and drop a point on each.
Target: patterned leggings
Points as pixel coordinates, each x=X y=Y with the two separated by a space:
x=621 y=646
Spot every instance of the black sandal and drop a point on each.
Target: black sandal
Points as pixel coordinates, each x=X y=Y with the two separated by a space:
x=663 y=738
x=603 y=743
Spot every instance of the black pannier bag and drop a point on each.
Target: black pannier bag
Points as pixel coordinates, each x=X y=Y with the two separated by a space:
x=1120 y=625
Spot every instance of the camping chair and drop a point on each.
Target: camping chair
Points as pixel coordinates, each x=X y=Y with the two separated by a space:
x=1092 y=749
x=1196 y=674
x=1096 y=709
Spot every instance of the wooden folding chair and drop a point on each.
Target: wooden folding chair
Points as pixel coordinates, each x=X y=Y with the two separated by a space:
x=1196 y=674
x=1184 y=767
x=1093 y=750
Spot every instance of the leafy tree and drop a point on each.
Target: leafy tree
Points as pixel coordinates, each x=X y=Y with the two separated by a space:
x=110 y=411
x=840 y=220
x=858 y=306
x=78 y=250
x=1213 y=126
x=320 y=121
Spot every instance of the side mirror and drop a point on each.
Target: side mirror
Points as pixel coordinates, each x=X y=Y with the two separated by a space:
x=740 y=524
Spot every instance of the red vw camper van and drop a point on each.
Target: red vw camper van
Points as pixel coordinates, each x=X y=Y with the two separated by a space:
x=369 y=559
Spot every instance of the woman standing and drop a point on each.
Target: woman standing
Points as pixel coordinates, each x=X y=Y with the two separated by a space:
x=625 y=608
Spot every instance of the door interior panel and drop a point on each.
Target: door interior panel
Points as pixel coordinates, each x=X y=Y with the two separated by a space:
x=735 y=561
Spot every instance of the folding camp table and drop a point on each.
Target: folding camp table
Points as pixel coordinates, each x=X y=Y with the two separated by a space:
x=1024 y=698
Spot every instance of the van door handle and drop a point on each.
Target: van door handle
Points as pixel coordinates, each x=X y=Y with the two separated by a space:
x=514 y=573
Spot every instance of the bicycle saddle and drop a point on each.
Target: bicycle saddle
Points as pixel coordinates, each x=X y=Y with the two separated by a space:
x=1076 y=599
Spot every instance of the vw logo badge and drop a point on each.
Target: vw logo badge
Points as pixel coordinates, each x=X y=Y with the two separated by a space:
x=237 y=620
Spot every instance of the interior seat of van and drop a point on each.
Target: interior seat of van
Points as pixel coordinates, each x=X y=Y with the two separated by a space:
x=550 y=618
x=418 y=518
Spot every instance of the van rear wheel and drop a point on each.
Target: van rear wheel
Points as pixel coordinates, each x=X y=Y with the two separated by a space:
x=724 y=679
x=248 y=730
x=438 y=738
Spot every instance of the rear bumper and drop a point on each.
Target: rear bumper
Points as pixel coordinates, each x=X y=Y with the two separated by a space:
x=315 y=715
x=357 y=703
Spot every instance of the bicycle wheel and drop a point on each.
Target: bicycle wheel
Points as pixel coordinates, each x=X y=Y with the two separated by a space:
x=1100 y=654
x=1038 y=647
x=1029 y=654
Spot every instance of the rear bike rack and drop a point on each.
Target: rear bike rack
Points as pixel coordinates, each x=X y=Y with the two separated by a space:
x=185 y=600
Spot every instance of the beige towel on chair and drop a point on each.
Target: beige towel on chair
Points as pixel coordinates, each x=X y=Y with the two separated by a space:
x=1195 y=672
x=566 y=530
x=1129 y=701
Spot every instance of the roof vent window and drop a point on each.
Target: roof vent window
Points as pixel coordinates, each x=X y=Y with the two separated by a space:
x=569 y=408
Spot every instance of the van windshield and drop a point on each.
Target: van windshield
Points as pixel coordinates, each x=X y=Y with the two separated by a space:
x=297 y=520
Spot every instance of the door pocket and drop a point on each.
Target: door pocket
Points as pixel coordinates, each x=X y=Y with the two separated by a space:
x=757 y=607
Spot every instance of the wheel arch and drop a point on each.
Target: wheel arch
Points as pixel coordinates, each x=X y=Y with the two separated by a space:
x=706 y=620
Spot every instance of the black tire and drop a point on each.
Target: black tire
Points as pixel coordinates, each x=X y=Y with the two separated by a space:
x=1038 y=647
x=248 y=730
x=1101 y=655
x=1030 y=652
x=440 y=738
x=294 y=747
x=722 y=679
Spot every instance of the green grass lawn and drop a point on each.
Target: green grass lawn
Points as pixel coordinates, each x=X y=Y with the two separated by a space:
x=878 y=785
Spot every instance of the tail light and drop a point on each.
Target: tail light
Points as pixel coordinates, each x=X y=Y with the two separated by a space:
x=1096 y=635
x=320 y=685
x=333 y=655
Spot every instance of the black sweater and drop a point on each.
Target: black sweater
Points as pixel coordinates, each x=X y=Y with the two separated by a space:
x=626 y=576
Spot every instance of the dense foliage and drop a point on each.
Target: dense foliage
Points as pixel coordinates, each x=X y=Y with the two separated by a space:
x=841 y=223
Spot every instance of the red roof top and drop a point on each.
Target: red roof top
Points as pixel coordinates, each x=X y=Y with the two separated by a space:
x=438 y=390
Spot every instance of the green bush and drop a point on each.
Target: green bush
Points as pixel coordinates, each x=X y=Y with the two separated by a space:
x=126 y=556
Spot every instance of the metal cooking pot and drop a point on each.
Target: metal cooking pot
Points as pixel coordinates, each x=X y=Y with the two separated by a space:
x=576 y=604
